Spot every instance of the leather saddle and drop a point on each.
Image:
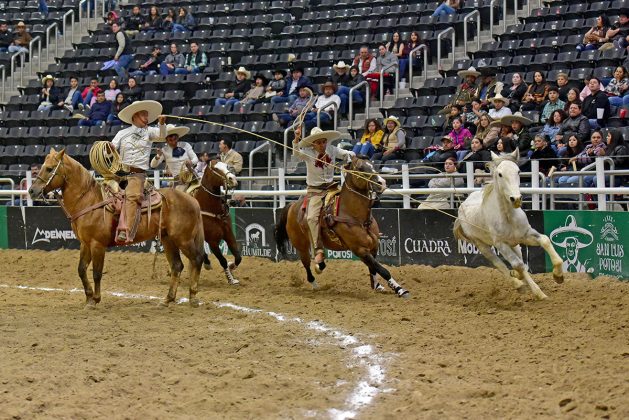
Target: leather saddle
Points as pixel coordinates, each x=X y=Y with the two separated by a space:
x=114 y=199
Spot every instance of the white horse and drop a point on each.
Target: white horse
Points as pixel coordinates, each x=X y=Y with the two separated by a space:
x=493 y=217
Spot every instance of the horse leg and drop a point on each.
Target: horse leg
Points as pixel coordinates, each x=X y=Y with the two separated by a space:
x=372 y=277
x=230 y=240
x=516 y=262
x=305 y=260
x=176 y=267
x=84 y=261
x=216 y=250
x=537 y=239
x=374 y=265
x=98 y=262
x=193 y=250
x=497 y=262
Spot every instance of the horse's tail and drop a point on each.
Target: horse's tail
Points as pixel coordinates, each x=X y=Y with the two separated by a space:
x=458 y=230
x=281 y=234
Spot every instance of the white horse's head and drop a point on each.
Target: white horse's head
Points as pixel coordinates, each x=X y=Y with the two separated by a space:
x=506 y=177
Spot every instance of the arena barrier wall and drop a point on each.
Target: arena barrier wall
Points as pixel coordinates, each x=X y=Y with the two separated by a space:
x=588 y=241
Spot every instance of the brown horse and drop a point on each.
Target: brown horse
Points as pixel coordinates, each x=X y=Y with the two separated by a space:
x=217 y=223
x=350 y=227
x=177 y=222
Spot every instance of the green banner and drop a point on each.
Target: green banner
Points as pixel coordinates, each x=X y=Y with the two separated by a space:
x=590 y=241
x=4 y=231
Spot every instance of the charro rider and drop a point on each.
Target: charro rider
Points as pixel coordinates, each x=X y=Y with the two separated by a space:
x=319 y=157
x=134 y=147
x=176 y=153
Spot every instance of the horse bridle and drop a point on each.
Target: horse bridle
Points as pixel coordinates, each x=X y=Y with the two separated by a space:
x=223 y=177
x=368 y=177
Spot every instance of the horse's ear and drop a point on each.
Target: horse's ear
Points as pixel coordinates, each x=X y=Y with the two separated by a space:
x=494 y=156
x=61 y=153
x=516 y=154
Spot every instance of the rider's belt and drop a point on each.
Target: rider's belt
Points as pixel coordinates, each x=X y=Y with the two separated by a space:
x=134 y=170
x=321 y=187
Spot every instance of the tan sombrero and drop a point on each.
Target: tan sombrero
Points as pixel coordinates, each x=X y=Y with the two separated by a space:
x=317 y=134
x=507 y=120
x=46 y=78
x=154 y=109
x=340 y=65
x=173 y=129
x=497 y=123
x=499 y=97
x=244 y=71
x=391 y=118
x=469 y=72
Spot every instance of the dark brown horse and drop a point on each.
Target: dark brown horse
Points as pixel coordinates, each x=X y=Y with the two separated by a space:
x=177 y=222
x=351 y=227
x=217 y=223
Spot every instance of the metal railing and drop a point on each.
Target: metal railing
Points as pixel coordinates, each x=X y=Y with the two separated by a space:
x=10 y=182
x=14 y=67
x=397 y=80
x=36 y=40
x=3 y=82
x=440 y=37
x=351 y=100
x=492 y=6
x=70 y=15
x=466 y=19
x=48 y=30
x=265 y=145
x=285 y=149
x=413 y=52
x=335 y=114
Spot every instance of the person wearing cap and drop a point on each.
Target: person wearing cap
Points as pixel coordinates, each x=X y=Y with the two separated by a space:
x=124 y=51
x=174 y=60
x=6 y=38
x=238 y=88
x=134 y=146
x=501 y=107
x=325 y=103
x=319 y=157
x=618 y=33
x=284 y=119
x=293 y=83
x=21 y=39
x=393 y=140
x=446 y=151
x=175 y=153
x=553 y=104
x=152 y=65
x=229 y=156
x=277 y=85
x=50 y=94
x=195 y=61
x=520 y=135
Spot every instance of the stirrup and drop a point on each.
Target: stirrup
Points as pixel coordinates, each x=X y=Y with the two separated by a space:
x=122 y=235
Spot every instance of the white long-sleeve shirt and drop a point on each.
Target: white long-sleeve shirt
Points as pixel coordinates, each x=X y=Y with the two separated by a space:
x=316 y=176
x=322 y=100
x=174 y=164
x=134 y=144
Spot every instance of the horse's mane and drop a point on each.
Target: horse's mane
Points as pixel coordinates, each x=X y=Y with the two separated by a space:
x=83 y=170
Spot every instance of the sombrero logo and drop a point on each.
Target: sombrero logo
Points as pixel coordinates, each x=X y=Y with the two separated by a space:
x=572 y=238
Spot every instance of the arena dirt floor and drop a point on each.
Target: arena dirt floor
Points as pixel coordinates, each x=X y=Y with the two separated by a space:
x=464 y=345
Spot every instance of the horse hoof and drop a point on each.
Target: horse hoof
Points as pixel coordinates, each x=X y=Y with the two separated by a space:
x=319 y=267
x=231 y=265
x=558 y=279
x=403 y=293
x=207 y=266
x=378 y=288
x=314 y=284
x=523 y=288
x=194 y=303
x=163 y=304
x=90 y=305
x=234 y=282
x=542 y=296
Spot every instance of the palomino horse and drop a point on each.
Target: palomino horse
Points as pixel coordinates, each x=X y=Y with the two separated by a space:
x=350 y=227
x=216 y=220
x=177 y=222
x=493 y=217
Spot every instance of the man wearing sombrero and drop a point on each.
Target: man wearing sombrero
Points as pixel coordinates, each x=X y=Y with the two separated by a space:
x=519 y=124
x=238 y=90
x=176 y=153
x=324 y=102
x=466 y=90
x=319 y=157
x=134 y=146
x=501 y=107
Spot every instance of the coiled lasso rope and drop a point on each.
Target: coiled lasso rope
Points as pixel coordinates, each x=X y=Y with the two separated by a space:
x=105 y=159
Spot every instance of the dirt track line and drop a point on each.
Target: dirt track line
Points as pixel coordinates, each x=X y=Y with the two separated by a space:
x=362 y=354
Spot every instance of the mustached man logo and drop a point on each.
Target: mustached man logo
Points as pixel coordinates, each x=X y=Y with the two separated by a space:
x=46 y=235
x=256 y=244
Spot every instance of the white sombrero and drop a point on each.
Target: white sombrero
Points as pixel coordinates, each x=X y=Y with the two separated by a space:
x=154 y=109
x=392 y=118
x=46 y=78
x=318 y=134
x=244 y=71
x=499 y=97
x=469 y=72
x=173 y=129
x=516 y=117
x=340 y=65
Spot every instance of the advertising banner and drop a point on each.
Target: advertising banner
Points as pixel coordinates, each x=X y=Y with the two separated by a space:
x=590 y=241
x=4 y=234
x=254 y=232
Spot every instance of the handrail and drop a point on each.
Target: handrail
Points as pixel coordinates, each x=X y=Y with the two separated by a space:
x=465 y=21
x=439 y=38
x=4 y=81
x=326 y=105
x=30 y=54
x=261 y=147
x=48 y=29
x=10 y=182
x=351 y=101
x=13 y=68
x=492 y=6
x=70 y=13
x=285 y=157
x=397 y=80
x=410 y=57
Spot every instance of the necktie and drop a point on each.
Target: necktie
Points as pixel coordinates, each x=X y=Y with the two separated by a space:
x=322 y=160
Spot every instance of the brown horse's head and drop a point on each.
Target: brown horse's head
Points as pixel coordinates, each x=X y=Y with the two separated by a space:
x=51 y=176
x=363 y=176
x=217 y=174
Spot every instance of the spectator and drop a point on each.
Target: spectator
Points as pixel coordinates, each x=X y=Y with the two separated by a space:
x=23 y=185
x=6 y=38
x=573 y=148
x=365 y=61
x=133 y=92
x=89 y=94
x=99 y=112
x=517 y=90
x=413 y=42
x=152 y=65
x=173 y=61
x=293 y=84
x=118 y=105
x=239 y=200
x=486 y=132
x=185 y=21
x=456 y=111
x=466 y=90
x=112 y=17
x=134 y=23
x=50 y=94
x=487 y=87
x=169 y=20
x=461 y=137
x=398 y=48
x=572 y=98
x=448 y=7
x=470 y=118
x=43 y=8
x=544 y=154
x=124 y=52
x=535 y=94
x=277 y=85
x=619 y=31
x=357 y=95
x=445 y=152
x=442 y=200
x=393 y=140
x=595 y=37
x=257 y=90
x=325 y=116
x=72 y=97
x=295 y=109
x=505 y=145
x=370 y=141
x=553 y=125
x=112 y=91
x=553 y=104
x=585 y=92
x=478 y=155
x=199 y=169
x=616 y=151
x=21 y=39
x=229 y=156
x=341 y=74
x=195 y=61
x=585 y=157
x=596 y=105
x=575 y=125
x=501 y=107
x=520 y=135
x=616 y=89
x=238 y=89
x=153 y=21
x=563 y=86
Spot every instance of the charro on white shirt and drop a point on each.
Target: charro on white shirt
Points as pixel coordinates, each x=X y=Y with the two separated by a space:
x=134 y=144
x=172 y=163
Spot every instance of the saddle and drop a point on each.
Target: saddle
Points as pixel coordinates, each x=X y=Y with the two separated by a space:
x=115 y=199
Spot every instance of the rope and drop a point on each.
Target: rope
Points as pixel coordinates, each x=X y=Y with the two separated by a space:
x=105 y=159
